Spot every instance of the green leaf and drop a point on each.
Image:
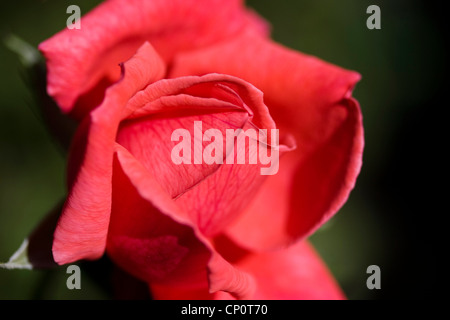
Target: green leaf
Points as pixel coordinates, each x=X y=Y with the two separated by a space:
x=35 y=252
x=19 y=260
x=29 y=56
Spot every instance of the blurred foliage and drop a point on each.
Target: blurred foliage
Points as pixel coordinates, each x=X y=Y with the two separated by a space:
x=402 y=66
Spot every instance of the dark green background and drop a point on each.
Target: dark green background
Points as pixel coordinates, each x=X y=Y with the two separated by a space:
x=387 y=218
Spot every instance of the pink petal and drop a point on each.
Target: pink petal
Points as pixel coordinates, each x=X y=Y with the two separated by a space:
x=161 y=292
x=294 y=273
x=150 y=142
x=176 y=259
x=312 y=100
x=83 y=226
x=82 y=63
x=147 y=237
x=213 y=195
x=150 y=238
x=305 y=193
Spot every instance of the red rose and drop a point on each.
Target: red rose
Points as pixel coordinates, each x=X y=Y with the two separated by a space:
x=193 y=229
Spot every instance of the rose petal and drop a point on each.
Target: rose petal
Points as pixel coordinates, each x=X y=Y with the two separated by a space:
x=83 y=62
x=294 y=273
x=161 y=292
x=212 y=194
x=83 y=226
x=164 y=237
x=310 y=99
x=144 y=239
x=306 y=194
x=150 y=142
x=223 y=87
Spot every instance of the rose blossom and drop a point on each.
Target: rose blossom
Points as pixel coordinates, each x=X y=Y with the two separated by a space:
x=198 y=230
